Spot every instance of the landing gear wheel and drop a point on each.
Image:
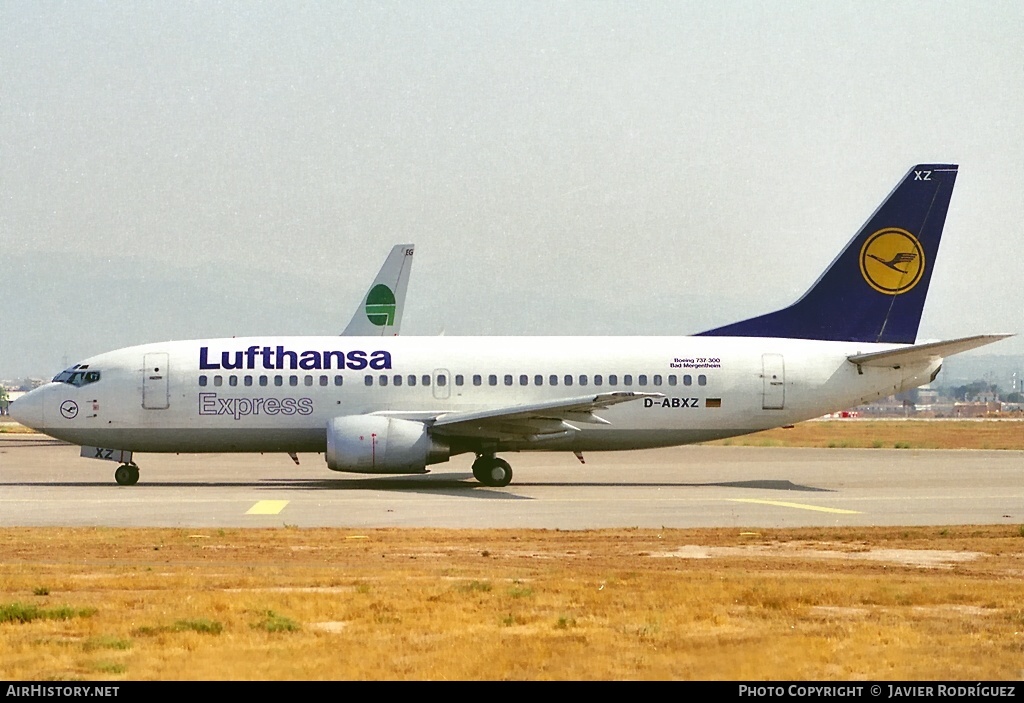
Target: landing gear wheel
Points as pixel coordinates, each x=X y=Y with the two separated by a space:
x=500 y=474
x=126 y=475
x=491 y=471
x=480 y=467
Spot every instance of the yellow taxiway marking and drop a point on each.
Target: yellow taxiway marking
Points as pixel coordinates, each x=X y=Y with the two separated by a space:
x=267 y=507
x=800 y=506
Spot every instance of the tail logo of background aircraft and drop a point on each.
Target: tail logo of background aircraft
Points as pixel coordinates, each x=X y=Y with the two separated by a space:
x=892 y=261
x=380 y=306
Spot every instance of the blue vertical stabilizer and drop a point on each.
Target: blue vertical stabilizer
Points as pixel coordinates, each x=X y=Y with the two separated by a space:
x=874 y=291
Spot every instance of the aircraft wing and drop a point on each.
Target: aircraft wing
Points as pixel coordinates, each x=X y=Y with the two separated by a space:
x=533 y=421
x=921 y=353
x=380 y=312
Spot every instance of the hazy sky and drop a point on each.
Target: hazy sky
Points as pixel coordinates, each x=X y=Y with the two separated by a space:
x=197 y=169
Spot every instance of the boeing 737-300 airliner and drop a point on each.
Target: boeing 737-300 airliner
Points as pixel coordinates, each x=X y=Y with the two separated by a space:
x=394 y=405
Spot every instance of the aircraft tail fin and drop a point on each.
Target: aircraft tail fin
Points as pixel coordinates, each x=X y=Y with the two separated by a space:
x=380 y=312
x=874 y=291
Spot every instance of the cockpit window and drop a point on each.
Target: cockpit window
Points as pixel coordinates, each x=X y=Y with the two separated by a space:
x=77 y=375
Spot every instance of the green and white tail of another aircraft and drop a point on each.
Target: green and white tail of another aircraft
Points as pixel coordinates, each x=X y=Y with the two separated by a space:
x=380 y=312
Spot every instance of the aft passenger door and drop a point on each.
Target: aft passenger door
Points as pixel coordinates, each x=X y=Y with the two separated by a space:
x=773 y=374
x=155 y=394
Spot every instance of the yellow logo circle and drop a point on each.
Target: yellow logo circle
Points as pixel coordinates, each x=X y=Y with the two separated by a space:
x=892 y=261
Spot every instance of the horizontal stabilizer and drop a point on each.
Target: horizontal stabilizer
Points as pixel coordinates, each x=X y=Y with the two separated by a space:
x=921 y=353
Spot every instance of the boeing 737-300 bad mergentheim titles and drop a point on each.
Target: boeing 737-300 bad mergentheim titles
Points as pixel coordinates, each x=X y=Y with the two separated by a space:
x=395 y=405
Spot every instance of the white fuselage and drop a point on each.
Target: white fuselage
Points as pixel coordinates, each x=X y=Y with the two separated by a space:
x=265 y=394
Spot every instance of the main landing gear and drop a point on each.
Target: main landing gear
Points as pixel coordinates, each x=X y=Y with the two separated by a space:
x=127 y=474
x=492 y=471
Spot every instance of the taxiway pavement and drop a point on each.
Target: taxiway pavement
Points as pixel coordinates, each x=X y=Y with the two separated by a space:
x=45 y=483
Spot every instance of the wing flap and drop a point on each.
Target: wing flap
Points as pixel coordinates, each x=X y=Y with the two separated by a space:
x=923 y=353
x=534 y=420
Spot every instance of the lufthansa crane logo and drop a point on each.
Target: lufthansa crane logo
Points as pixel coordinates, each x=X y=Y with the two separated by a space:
x=892 y=261
x=380 y=306
x=69 y=409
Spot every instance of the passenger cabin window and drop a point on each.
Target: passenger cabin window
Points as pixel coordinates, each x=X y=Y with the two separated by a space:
x=247 y=380
x=263 y=380
x=553 y=380
x=568 y=380
x=524 y=380
x=583 y=380
x=397 y=380
x=477 y=379
x=425 y=378
x=492 y=380
x=702 y=380
x=412 y=379
x=657 y=379
x=232 y=380
x=508 y=379
x=627 y=380
x=642 y=379
x=323 y=380
x=218 y=381
x=202 y=380
x=613 y=380
x=598 y=379
x=671 y=379
x=338 y=380
x=368 y=380
x=538 y=380
x=442 y=380
x=459 y=379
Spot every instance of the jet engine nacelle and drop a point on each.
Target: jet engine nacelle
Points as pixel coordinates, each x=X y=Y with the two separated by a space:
x=372 y=444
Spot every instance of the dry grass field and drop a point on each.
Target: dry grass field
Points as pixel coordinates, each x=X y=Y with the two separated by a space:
x=888 y=433
x=825 y=604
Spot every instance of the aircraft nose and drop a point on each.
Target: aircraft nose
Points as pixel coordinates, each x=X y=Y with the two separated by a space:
x=28 y=410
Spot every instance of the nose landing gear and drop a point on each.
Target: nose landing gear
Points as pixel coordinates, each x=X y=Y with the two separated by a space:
x=127 y=474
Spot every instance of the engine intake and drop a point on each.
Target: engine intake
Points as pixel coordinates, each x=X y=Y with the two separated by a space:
x=372 y=444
